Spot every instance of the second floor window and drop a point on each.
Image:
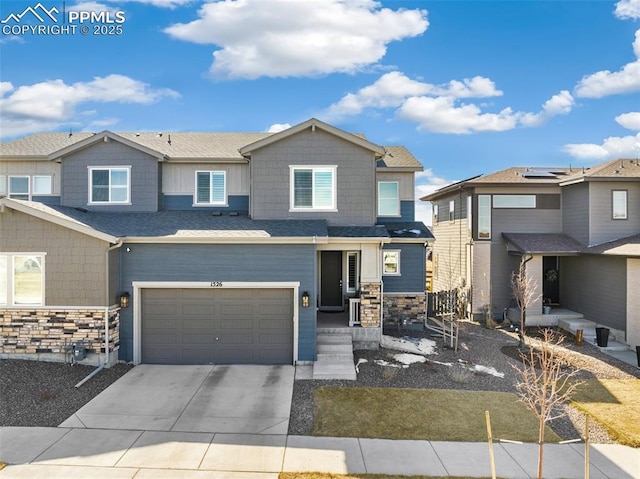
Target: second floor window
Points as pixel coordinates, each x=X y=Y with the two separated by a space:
x=211 y=188
x=109 y=185
x=484 y=216
x=313 y=188
x=452 y=210
x=19 y=188
x=388 y=198
x=619 y=204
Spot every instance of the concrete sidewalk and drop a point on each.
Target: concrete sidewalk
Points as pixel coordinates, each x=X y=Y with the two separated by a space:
x=52 y=453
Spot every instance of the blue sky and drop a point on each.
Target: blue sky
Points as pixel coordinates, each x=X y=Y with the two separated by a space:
x=470 y=87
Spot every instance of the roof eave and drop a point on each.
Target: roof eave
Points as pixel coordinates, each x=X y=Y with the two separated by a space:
x=226 y=239
x=104 y=136
x=312 y=123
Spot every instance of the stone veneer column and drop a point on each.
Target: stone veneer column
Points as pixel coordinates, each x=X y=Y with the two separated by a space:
x=370 y=303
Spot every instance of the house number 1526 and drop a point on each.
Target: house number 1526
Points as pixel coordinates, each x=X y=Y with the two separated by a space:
x=216 y=284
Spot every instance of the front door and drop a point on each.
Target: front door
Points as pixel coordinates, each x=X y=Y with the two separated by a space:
x=331 y=280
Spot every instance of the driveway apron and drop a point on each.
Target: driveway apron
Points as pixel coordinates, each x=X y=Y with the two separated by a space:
x=242 y=399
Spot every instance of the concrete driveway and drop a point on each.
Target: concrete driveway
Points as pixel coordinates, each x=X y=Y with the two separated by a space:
x=215 y=399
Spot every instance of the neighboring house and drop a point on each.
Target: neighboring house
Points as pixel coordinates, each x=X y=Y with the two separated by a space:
x=577 y=229
x=187 y=248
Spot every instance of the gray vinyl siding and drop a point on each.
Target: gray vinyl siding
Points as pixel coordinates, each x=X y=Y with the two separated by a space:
x=114 y=276
x=596 y=287
x=480 y=276
x=356 y=175
x=502 y=265
x=575 y=212
x=74 y=263
x=603 y=227
x=450 y=245
x=522 y=220
x=412 y=278
x=178 y=263
x=144 y=180
x=237 y=203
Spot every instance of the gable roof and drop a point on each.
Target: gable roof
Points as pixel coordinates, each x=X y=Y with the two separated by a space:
x=104 y=136
x=399 y=157
x=313 y=123
x=629 y=246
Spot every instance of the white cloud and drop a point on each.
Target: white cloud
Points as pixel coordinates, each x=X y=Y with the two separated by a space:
x=92 y=7
x=627 y=9
x=157 y=3
x=605 y=83
x=393 y=88
x=560 y=104
x=612 y=147
x=44 y=105
x=441 y=115
x=284 y=38
x=630 y=121
x=276 y=127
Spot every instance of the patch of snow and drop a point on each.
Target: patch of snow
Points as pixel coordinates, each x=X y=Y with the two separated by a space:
x=408 y=359
x=440 y=362
x=360 y=361
x=415 y=232
x=487 y=370
x=382 y=362
x=423 y=347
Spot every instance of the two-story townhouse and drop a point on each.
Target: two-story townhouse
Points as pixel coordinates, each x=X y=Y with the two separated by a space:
x=188 y=248
x=576 y=229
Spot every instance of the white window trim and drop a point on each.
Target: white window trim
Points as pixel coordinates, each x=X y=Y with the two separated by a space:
x=313 y=168
x=9 y=192
x=224 y=203
x=110 y=169
x=11 y=283
x=399 y=271
x=33 y=186
x=626 y=205
x=397 y=198
x=3 y=185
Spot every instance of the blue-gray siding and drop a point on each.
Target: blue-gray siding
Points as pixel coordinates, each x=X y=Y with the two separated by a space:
x=356 y=175
x=273 y=263
x=603 y=227
x=595 y=286
x=412 y=276
x=185 y=202
x=575 y=212
x=47 y=200
x=145 y=177
x=407 y=213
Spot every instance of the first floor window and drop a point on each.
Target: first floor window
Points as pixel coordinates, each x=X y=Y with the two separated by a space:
x=484 y=216
x=41 y=185
x=388 y=198
x=353 y=271
x=313 y=188
x=391 y=262
x=19 y=187
x=109 y=185
x=21 y=279
x=211 y=188
x=619 y=207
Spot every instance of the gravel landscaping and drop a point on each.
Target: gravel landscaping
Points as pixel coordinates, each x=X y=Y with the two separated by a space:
x=43 y=394
x=477 y=346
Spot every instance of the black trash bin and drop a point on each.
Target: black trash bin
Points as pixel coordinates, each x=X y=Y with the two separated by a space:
x=602 y=337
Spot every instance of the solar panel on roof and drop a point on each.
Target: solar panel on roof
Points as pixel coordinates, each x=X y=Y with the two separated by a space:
x=538 y=174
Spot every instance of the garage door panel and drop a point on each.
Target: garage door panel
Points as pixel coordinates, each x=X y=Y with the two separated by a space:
x=180 y=326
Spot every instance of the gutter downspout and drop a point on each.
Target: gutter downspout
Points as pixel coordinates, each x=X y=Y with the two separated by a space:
x=106 y=317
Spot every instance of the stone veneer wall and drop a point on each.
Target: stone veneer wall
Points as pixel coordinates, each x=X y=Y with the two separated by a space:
x=409 y=306
x=370 y=303
x=42 y=333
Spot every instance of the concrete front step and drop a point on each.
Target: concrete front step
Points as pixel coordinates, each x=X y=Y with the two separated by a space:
x=334 y=368
x=324 y=356
x=335 y=347
x=614 y=346
x=334 y=339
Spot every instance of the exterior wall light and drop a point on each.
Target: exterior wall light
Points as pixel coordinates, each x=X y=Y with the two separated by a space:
x=124 y=300
x=305 y=299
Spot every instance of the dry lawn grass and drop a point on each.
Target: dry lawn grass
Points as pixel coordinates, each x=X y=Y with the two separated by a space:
x=423 y=414
x=614 y=404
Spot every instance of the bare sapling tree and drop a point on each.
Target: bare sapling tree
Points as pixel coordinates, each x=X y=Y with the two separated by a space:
x=546 y=384
x=525 y=292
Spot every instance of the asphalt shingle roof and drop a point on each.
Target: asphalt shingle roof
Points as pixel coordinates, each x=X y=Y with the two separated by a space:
x=184 y=224
x=398 y=157
x=409 y=229
x=539 y=243
x=629 y=246
x=357 y=232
